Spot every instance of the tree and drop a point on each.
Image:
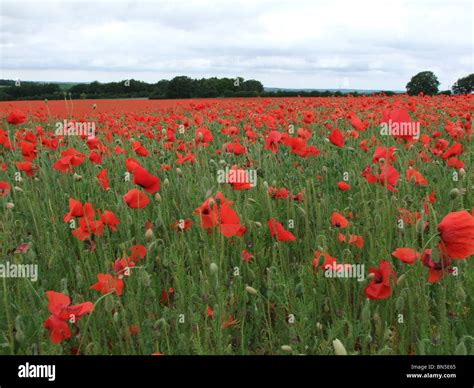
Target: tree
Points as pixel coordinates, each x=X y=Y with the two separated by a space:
x=425 y=82
x=464 y=85
x=181 y=87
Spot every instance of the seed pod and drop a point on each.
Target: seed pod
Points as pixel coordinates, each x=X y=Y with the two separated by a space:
x=251 y=290
x=339 y=348
x=213 y=268
x=454 y=193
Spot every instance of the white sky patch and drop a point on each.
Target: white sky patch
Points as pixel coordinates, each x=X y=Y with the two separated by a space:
x=365 y=44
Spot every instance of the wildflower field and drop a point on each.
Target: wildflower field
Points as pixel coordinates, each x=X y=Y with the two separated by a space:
x=237 y=226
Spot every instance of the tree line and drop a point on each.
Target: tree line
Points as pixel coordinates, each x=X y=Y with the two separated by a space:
x=185 y=87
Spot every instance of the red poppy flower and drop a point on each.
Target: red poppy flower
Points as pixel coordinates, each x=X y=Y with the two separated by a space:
x=336 y=138
x=58 y=329
x=208 y=213
x=131 y=164
x=379 y=287
x=436 y=269
x=27 y=167
x=238 y=179
x=107 y=283
x=59 y=307
x=69 y=159
x=246 y=256
x=16 y=117
x=407 y=255
x=338 y=220
x=136 y=199
x=103 y=180
x=358 y=241
x=28 y=150
x=110 y=219
x=415 y=175
x=75 y=210
x=166 y=296
x=189 y=157
x=137 y=252
x=4 y=189
x=139 y=149
x=272 y=140
x=230 y=222
x=343 y=186
x=146 y=180
x=277 y=230
x=457 y=234
x=278 y=193
x=202 y=137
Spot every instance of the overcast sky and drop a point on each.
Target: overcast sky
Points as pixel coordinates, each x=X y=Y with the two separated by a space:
x=292 y=43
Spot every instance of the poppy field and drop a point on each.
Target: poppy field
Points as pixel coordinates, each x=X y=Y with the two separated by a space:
x=259 y=226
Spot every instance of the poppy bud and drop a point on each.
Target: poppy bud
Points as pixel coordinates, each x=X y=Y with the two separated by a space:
x=258 y=224
x=149 y=235
x=109 y=304
x=365 y=315
x=213 y=268
x=179 y=171
x=454 y=193
x=94 y=106
x=19 y=189
x=265 y=185
x=79 y=277
x=461 y=349
x=462 y=172
x=370 y=276
x=19 y=335
x=145 y=278
x=339 y=348
x=77 y=177
x=286 y=348
x=400 y=303
x=157 y=197
x=319 y=326
x=116 y=316
x=211 y=202
x=401 y=279
x=420 y=226
x=166 y=182
x=222 y=161
x=460 y=294
x=299 y=289
x=10 y=205
x=251 y=290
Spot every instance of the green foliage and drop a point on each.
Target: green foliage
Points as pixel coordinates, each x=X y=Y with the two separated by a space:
x=425 y=82
x=464 y=85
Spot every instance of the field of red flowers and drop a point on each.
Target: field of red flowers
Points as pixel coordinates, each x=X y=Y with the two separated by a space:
x=340 y=225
